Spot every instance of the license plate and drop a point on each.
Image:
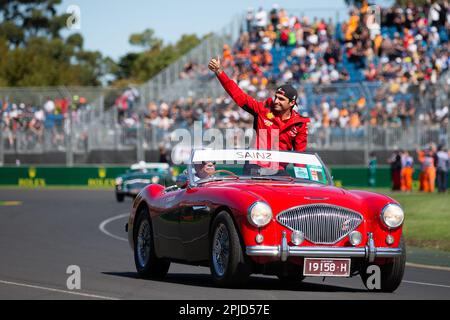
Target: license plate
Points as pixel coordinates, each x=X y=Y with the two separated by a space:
x=326 y=267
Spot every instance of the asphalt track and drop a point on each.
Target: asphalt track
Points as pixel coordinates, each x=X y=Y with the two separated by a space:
x=49 y=230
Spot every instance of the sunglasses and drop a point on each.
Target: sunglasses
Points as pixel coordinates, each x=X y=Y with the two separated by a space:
x=208 y=162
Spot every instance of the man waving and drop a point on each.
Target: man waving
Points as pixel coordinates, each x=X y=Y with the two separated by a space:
x=278 y=126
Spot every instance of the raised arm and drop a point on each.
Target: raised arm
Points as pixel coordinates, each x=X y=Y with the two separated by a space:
x=242 y=99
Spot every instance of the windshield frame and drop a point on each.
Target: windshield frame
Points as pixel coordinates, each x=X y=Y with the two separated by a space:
x=193 y=183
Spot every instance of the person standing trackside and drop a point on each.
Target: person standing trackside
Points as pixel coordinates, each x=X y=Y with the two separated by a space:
x=427 y=160
x=442 y=169
x=407 y=171
x=396 y=167
x=275 y=120
x=372 y=170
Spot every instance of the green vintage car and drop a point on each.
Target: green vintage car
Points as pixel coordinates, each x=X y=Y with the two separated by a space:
x=140 y=175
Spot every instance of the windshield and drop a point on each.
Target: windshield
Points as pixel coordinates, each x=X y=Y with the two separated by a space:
x=149 y=171
x=212 y=165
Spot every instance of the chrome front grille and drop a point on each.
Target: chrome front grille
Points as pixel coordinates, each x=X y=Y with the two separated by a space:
x=321 y=223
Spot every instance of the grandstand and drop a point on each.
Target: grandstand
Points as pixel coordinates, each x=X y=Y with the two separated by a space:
x=367 y=84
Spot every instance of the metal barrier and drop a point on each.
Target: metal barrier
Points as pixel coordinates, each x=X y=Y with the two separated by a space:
x=86 y=130
x=372 y=138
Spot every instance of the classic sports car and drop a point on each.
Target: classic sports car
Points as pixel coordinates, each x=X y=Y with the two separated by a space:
x=266 y=212
x=141 y=175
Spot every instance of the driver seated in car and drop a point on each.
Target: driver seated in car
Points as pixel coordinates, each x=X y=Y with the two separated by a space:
x=204 y=170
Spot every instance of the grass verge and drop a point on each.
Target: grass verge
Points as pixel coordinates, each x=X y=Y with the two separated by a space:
x=427 y=218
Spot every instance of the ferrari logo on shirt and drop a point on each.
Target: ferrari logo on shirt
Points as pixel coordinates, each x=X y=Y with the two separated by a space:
x=268 y=123
x=270 y=116
x=293 y=132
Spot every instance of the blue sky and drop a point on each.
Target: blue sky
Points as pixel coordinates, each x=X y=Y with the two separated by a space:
x=107 y=24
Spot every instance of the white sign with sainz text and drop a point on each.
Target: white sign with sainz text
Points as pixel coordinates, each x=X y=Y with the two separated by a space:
x=240 y=156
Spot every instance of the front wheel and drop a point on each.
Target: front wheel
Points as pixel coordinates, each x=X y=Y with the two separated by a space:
x=148 y=265
x=229 y=265
x=391 y=273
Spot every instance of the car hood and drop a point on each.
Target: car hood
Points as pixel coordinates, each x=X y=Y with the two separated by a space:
x=283 y=195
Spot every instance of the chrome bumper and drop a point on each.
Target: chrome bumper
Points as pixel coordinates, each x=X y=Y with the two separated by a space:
x=283 y=251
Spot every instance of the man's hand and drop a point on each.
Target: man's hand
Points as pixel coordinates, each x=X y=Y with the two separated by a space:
x=214 y=65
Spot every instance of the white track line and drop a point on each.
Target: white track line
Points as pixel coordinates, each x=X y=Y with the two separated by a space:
x=426 y=284
x=102 y=225
x=424 y=266
x=86 y=295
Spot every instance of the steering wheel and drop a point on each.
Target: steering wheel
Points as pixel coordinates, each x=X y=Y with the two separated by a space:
x=225 y=171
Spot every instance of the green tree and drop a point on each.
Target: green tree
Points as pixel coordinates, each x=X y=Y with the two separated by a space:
x=22 y=20
x=154 y=57
x=33 y=53
x=146 y=40
x=124 y=67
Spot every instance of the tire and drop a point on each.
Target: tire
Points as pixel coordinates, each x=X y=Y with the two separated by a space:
x=148 y=265
x=391 y=273
x=120 y=197
x=228 y=263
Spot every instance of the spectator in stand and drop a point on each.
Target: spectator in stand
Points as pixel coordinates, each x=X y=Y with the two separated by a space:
x=261 y=19
x=249 y=18
x=165 y=122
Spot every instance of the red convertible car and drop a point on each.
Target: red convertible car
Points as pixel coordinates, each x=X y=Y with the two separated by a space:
x=268 y=212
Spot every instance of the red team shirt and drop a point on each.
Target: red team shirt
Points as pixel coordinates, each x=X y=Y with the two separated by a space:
x=292 y=133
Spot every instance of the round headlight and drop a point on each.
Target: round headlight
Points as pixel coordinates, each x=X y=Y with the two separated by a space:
x=297 y=238
x=355 y=238
x=259 y=214
x=259 y=238
x=119 y=181
x=390 y=239
x=392 y=216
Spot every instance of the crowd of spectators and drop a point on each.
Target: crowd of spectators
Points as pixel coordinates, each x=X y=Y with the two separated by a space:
x=408 y=44
x=30 y=126
x=403 y=48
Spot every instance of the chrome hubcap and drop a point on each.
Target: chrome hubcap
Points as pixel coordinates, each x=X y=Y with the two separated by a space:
x=221 y=250
x=143 y=243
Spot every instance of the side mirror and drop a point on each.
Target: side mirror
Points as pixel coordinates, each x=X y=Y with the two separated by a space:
x=182 y=181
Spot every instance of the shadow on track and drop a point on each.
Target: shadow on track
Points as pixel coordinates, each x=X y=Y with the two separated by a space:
x=255 y=283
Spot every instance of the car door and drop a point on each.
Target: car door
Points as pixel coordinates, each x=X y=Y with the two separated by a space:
x=195 y=218
x=166 y=225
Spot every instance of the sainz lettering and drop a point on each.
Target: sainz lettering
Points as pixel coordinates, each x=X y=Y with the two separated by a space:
x=254 y=155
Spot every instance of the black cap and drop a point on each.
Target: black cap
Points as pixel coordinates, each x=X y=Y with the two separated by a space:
x=288 y=91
